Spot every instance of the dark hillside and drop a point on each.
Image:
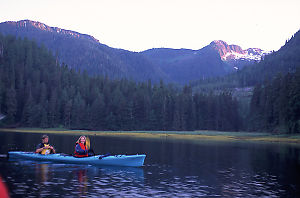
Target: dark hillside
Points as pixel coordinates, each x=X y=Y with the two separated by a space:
x=85 y=53
x=186 y=65
x=36 y=91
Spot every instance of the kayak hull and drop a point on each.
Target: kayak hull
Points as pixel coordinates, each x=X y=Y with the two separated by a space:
x=115 y=160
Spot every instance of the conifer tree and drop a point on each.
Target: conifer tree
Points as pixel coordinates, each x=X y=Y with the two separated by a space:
x=27 y=118
x=11 y=104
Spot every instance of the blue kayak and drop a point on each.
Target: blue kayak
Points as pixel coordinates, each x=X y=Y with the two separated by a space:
x=111 y=160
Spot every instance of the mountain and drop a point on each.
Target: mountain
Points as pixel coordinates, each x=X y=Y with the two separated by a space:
x=35 y=91
x=275 y=104
x=85 y=53
x=186 y=65
x=285 y=60
x=235 y=52
x=235 y=56
x=216 y=59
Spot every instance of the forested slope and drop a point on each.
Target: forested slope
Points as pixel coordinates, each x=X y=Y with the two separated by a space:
x=36 y=91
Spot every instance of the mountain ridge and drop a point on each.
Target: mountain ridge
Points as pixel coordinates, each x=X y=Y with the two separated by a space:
x=44 y=27
x=84 y=52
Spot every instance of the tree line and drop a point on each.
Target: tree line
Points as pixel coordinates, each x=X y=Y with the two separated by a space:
x=37 y=91
x=275 y=106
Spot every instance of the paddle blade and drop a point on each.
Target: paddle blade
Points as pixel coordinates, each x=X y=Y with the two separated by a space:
x=103 y=156
x=88 y=143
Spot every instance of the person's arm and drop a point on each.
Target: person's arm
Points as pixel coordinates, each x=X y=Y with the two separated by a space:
x=39 y=148
x=79 y=150
x=52 y=149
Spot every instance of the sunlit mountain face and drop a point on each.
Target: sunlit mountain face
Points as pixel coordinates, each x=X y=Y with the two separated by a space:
x=235 y=55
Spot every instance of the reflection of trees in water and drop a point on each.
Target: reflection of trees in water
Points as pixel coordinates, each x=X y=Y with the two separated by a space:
x=82 y=181
x=42 y=173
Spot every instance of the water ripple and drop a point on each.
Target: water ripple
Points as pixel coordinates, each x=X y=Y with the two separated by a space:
x=211 y=175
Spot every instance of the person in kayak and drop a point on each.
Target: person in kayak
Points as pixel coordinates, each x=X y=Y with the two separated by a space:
x=44 y=147
x=81 y=149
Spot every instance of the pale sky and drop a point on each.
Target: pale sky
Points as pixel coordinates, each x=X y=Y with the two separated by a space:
x=137 y=25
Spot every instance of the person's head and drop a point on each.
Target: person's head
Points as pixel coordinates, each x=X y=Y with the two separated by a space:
x=45 y=139
x=82 y=139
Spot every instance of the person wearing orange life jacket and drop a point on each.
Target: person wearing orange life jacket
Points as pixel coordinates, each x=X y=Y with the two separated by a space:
x=44 y=147
x=80 y=149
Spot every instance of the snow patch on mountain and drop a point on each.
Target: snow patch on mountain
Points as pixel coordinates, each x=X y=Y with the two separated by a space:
x=235 y=52
x=242 y=56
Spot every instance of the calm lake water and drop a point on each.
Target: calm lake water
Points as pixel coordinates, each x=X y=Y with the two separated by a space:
x=173 y=168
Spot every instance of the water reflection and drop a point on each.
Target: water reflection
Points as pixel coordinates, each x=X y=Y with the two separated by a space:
x=238 y=183
x=41 y=173
x=82 y=181
x=47 y=179
x=172 y=168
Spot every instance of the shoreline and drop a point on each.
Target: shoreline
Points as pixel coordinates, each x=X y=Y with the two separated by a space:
x=179 y=135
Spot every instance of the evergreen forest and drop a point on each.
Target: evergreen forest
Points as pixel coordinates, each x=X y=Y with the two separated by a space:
x=274 y=105
x=37 y=91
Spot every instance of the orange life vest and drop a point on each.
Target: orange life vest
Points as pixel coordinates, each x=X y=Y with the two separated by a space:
x=83 y=147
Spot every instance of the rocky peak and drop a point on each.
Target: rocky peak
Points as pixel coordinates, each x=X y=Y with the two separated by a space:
x=235 y=52
x=237 y=49
x=221 y=47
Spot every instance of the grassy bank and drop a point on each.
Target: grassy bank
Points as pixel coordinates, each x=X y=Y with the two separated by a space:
x=191 y=135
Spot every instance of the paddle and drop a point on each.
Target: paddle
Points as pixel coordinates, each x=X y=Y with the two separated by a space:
x=88 y=143
x=88 y=146
x=103 y=156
